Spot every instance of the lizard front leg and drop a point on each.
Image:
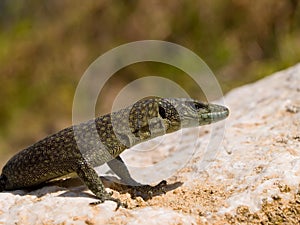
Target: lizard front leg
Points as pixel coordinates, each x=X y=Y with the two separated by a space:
x=91 y=179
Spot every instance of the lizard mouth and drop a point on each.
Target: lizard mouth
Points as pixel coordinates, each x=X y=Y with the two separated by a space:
x=215 y=116
x=220 y=115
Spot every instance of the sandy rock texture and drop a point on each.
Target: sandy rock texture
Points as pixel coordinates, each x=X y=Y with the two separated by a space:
x=245 y=170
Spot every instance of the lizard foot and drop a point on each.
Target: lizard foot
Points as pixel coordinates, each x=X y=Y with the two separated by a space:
x=147 y=191
x=108 y=197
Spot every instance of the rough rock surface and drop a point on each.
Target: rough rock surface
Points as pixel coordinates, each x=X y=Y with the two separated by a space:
x=248 y=173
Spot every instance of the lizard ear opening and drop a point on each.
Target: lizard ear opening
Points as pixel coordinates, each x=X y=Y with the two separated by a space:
x=162 y=112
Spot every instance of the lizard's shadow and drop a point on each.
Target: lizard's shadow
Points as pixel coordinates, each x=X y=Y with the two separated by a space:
x=74 y=187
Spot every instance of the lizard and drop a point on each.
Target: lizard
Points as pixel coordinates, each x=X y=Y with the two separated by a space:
x=76 y=150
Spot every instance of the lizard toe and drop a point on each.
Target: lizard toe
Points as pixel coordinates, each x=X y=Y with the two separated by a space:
x=108 y=197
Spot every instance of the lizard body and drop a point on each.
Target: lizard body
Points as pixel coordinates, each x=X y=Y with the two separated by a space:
x=59 y=154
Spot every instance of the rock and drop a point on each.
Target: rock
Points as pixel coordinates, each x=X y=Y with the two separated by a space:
x=247 y=173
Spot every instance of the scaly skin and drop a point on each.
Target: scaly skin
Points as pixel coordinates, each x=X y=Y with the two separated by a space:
x=79 y=148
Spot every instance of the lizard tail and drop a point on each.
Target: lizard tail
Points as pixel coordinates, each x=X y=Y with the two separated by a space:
x=2 y=182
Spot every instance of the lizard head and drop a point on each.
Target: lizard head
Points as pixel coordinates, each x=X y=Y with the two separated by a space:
x=193 y=113
x=154 y=116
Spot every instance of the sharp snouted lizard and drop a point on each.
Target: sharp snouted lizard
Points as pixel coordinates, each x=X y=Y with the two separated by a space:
x=76 y=149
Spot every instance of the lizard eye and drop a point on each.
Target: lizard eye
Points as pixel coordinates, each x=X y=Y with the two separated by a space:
x=197 y=105
x=162 y=112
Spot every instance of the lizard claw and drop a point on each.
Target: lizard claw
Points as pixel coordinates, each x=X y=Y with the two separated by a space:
x=108 y=197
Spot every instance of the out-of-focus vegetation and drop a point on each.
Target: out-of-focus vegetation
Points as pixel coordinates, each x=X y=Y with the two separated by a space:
x=45 y=47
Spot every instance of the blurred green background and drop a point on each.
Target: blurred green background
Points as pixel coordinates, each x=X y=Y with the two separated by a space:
x=45 y=47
